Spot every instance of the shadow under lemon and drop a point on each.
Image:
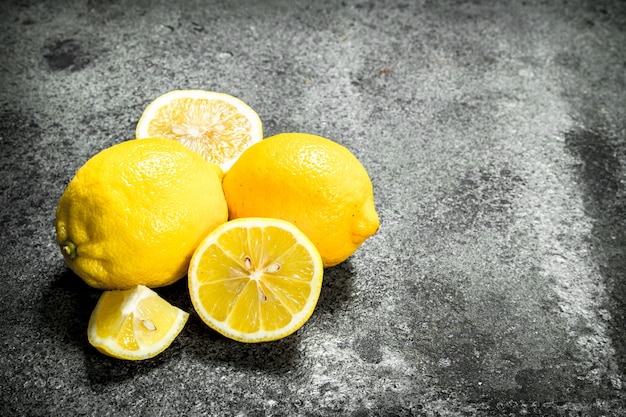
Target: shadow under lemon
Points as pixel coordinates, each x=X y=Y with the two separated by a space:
x=67 y=304
x=278 y=356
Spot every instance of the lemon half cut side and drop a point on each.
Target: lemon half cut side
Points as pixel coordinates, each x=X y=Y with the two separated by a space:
x=255 y=279
x=216 y=125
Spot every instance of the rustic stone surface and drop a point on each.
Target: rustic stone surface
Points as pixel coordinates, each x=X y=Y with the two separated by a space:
x=494 y=133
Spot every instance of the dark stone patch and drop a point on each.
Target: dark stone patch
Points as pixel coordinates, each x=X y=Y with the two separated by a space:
x=66 y=54
x=66 y=306
x=368 y=348
x=602 y=176
x=482 y=199
x=546 y=384
x=600 y=170
x=337 y=288
x=17 y=131
x=447 y=335
x=104 y=11
x=568 y=60
x=500 y=342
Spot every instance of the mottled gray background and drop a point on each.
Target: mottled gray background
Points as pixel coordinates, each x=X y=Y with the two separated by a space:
x=495 y=136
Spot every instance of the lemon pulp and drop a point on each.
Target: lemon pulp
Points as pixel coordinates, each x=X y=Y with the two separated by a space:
x=216 y=125
x=255 y=279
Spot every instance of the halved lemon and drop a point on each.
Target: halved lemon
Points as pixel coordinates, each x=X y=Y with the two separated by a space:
x=134 y=324
x=255 y=279
x=216 y=125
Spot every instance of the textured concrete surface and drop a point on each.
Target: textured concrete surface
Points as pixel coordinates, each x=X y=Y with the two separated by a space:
x=495 y=135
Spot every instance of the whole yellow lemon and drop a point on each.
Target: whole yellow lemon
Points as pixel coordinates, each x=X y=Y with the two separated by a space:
x=135 y=212
x=310 y=181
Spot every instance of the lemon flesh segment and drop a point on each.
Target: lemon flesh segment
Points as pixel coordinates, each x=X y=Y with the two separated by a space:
x=134 y=324
x=255 y=279
x=218 y=126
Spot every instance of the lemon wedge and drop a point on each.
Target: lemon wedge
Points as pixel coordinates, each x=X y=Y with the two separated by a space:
x=134 y=324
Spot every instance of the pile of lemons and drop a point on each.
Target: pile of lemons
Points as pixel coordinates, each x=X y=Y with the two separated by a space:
x=199 y=192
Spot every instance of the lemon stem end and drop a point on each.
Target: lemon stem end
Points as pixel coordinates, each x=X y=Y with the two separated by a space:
x=69 y=249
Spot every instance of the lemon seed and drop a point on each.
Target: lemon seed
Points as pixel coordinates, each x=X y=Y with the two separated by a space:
x=148 y=325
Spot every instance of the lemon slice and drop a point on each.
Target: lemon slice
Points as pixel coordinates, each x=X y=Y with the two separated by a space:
x=255 y=279
x=218 y=126
x=134 y=324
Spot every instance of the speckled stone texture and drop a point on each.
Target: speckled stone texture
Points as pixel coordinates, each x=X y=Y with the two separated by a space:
x=495 y=136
